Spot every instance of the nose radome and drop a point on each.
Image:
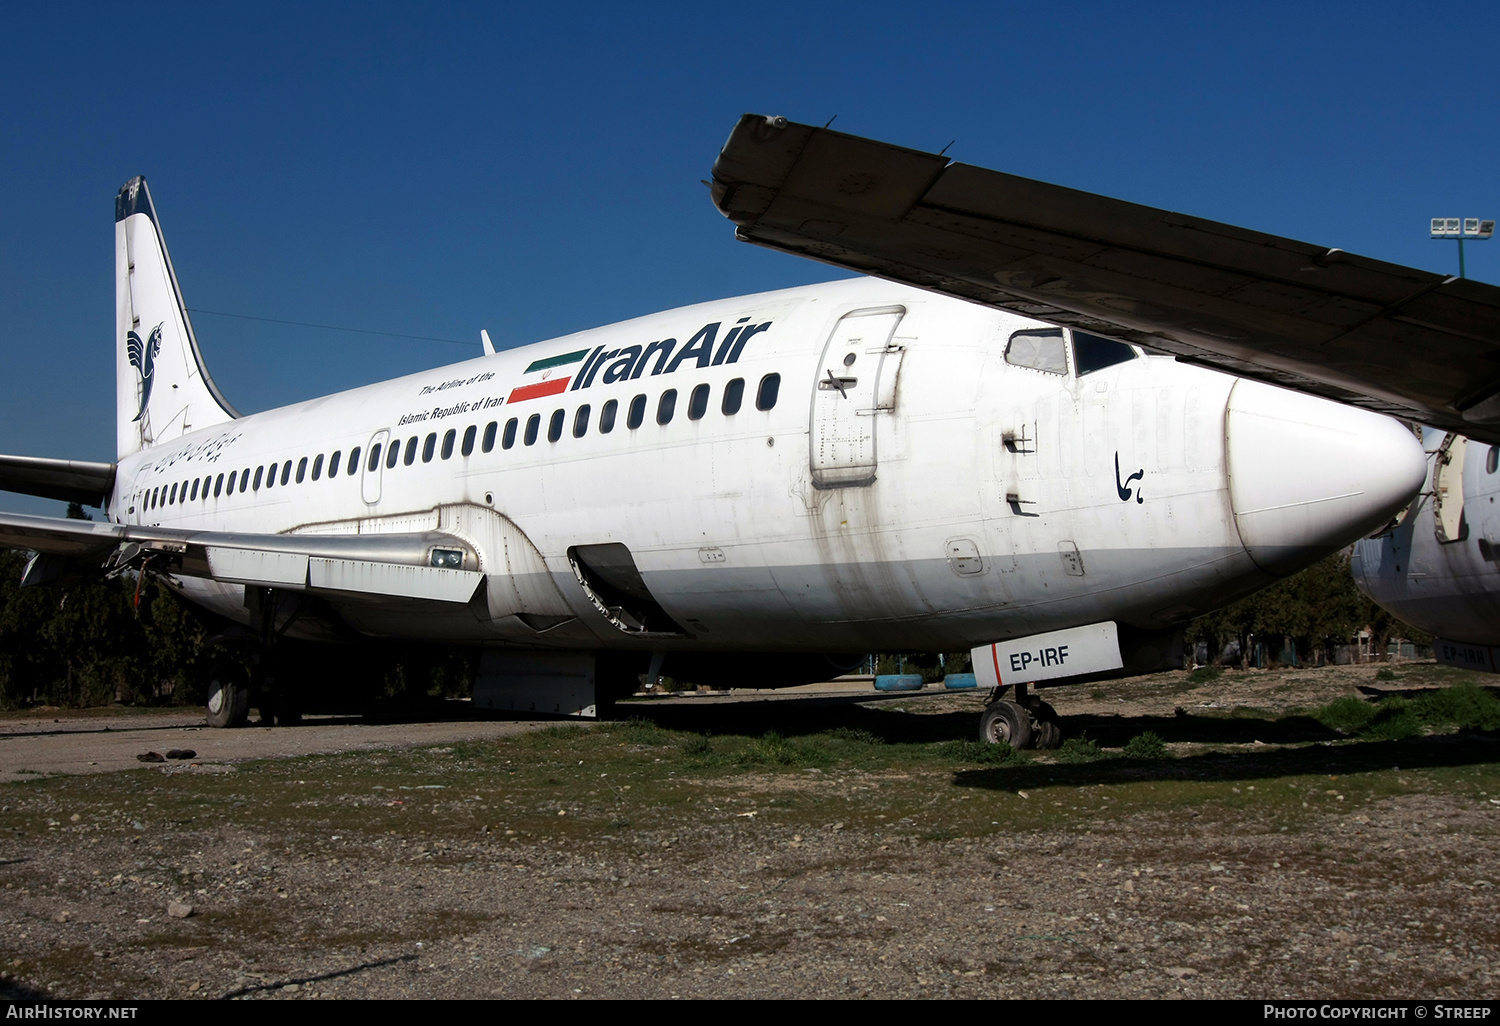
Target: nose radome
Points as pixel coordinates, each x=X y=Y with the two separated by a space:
x=1308 y=475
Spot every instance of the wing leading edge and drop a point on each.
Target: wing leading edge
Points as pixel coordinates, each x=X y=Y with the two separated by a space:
x=1389 y=338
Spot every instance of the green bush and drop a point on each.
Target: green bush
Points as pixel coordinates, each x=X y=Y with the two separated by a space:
x=1079 y=749
x=1347 y=715
x=1385 y=673
x=1205 y=675
x=1148 y=745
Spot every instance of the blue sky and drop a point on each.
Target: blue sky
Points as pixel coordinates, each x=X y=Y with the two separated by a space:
x=437 y=169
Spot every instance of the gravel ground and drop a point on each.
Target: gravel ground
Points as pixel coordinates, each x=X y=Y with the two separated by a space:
x=1246 y=866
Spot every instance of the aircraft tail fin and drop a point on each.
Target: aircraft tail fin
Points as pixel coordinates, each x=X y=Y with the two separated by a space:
x=162 y=388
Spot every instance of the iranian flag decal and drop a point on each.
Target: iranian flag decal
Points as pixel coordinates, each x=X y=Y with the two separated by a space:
x=551 y=382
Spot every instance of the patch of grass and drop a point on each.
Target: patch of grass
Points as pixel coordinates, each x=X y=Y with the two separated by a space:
x=1147 y=745
x=1464 y=706
x=697 y=745
x=856 y=735
x=1205 y=675
x=980 y=752
x=1395 y=719
x=642 y=732
x=1385 y=673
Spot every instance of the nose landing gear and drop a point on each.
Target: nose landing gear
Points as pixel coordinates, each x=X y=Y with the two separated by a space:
x=1026 y=722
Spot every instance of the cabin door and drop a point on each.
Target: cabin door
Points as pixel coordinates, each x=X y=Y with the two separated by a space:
x=856 y=381
x=369 y=481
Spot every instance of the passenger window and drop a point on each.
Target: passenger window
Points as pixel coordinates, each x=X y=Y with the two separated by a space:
x=317 y=466
x=393 y=454
x=448 y=440
x=353 y=461
x=259 y=471
x=333 y=464
x=301 y=470
x=510 y=434
x=271 y=476
x=581 y=421
x=1091 y=353
x=698 y=403
x=555 y=425
x=286 y=472
x=765 y=396
x=374 y=460
x=1492 y=461
x=666 y=406
x=469 y=433
x=1039 y=349
x=607 y=417
x=637 y=414
x=232 y=475
x=218 y=485
x=411 y=452
x=734 y=394
x=245 y=480
x=194 y=496
x=173 y=500
x=489 y=436
x=533 y=424
x=429 y=446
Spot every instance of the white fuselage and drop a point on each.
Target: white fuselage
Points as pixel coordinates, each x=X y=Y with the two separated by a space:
x=930 y=494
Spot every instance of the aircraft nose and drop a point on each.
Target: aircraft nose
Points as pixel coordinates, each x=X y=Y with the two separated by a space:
x=1308 y=475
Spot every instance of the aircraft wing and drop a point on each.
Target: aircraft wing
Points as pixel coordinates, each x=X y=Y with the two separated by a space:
x=428 y=565
x=1390 y=338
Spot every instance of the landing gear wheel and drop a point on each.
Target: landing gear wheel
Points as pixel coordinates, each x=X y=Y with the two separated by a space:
x=1046 y=731
x=228 y=695
x=1005 y=723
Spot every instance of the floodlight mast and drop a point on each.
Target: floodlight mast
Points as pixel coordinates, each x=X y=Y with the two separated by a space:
x=1462 y=228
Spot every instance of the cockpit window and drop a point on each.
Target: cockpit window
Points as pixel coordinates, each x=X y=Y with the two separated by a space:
x=1091 y=353
x=1040 y=349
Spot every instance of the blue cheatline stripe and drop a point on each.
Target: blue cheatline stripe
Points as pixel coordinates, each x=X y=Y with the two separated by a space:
x=557 y=361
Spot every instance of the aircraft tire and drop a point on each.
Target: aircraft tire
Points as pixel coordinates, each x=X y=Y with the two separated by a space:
x=1005 y=723
x=1046 y=731
x=228 y=695
x=1046 y=735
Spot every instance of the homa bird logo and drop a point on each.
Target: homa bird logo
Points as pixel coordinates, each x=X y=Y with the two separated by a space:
x=143 y=359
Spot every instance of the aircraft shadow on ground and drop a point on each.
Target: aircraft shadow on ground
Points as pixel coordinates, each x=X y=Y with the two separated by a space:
x=794 y=718
x=1435 y=751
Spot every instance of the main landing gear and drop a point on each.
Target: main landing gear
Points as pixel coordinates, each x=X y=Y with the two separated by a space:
x=1026 y=722
x=262 y=678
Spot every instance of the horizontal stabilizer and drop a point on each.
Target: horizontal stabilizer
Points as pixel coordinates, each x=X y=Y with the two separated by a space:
x=67 y=480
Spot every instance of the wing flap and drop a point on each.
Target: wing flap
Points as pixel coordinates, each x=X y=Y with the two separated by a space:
x=418 y=582
x=258 y=567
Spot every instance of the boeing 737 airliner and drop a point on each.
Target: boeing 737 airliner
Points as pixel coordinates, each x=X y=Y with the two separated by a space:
x=841 y=468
